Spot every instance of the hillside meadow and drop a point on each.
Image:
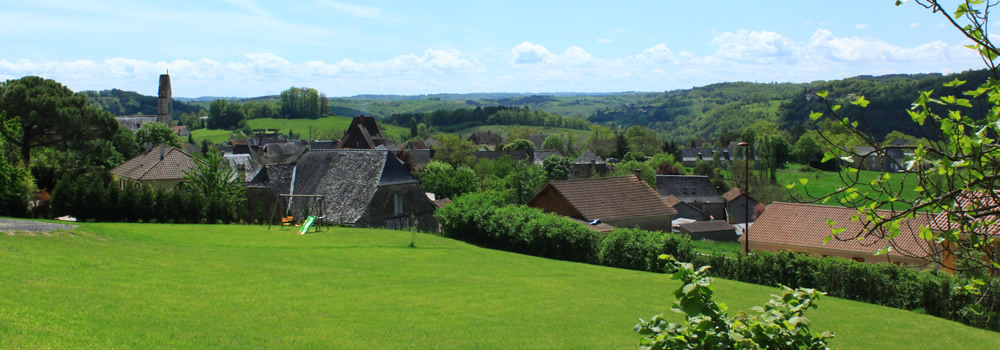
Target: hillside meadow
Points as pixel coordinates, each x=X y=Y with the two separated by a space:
x=332 y=125
x=229 y=286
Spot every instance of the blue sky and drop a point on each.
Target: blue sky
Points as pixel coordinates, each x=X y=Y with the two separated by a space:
x=344 y=48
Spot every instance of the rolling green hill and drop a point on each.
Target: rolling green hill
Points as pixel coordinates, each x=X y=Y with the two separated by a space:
x=233 y=286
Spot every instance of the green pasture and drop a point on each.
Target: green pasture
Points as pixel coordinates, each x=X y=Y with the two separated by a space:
x=211 y=135
x=823 y=182
x=228 y=286
x=337 y=124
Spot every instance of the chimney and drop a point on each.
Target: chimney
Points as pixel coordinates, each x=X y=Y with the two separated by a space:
x=162 y=150
x=638 y=174
x=149 y=147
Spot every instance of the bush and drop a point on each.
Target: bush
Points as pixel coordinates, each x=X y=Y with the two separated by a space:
x=632 y=249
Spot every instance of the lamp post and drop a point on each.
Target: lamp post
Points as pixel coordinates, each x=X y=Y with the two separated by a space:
x=746 y=197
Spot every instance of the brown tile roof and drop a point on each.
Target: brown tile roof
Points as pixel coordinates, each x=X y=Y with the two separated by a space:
x=980 y=206
x=612 y=198
x=671 y=200
x=805 y=226
x=732 y=194
x=151 y=166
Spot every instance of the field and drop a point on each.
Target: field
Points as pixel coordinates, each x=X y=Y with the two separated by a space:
x=329 y=128
x=228 y=286
x=580 y=136
x=823 y=182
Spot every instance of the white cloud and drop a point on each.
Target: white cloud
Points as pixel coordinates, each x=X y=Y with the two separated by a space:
x=604 y=41
x=756 y=46
x=528 y=52
x=656 y=54
x=914 y=24
x=861 y=26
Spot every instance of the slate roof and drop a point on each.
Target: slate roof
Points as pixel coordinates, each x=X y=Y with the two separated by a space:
x=151 y=166
x=805 y=226
x=691 y=154
x=363 y=133
x=348 y=179
x=588 y=157
x=537 y=140
x=541 y=155
x=707 y=226
x=246 y=163
x=518 y=155
x=612 y=198
x=485 y=138
x=691 y=189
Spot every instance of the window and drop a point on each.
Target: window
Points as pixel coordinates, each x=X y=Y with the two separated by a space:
x=398 y=201
x=858 y=259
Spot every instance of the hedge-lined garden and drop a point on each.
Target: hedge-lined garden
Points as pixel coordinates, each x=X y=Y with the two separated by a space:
x=483 y=219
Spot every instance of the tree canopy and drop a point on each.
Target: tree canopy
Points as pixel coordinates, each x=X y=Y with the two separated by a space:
x=50 y=115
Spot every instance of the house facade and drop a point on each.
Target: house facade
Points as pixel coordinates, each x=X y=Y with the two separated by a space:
x=737 y=205
x=362 y=188
x=696 y=191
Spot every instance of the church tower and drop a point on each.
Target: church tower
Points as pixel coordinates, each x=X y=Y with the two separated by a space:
x=165 y=102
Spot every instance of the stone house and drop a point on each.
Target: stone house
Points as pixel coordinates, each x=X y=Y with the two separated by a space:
x=622 y=201
x=162 y=166
x=696 y=191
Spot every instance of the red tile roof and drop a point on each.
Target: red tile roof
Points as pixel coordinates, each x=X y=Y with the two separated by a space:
x=805 y=226
x=612 y=198
x=979 y=206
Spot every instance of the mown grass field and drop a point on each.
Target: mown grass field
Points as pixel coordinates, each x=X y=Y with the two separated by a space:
x=824 y=182
x=215 y=136
x=227 y=286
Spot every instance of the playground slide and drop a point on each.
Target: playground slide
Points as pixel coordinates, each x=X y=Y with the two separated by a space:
x=306 y=225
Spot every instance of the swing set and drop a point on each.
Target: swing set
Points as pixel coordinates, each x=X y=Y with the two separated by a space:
x=318 y=202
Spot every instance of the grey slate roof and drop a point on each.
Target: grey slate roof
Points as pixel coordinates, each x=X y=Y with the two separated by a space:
x=245 y=163
x=348 y=179
x=688 y=188
x=541 y=155
x=588 y=157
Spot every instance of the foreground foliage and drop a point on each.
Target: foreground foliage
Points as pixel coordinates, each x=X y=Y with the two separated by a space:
x=780 y=324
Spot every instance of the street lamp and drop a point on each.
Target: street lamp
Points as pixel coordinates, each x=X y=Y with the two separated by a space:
x=746 y=197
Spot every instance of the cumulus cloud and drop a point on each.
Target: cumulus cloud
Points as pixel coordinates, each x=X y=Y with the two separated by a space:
x=754 y=46
x=255 y=72
x=528 y=52
x=861 y=26
x=656 y=54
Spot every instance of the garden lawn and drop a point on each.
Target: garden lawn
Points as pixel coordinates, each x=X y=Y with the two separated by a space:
x=824 y=182
x=228 y=286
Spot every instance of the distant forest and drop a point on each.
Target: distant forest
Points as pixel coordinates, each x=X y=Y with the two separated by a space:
x=120 y=102
x=699 y=113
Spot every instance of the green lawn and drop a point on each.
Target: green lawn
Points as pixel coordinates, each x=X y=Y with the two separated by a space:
x=227 y=286
x=718 y=248
x=824 y=182
x=212 y=135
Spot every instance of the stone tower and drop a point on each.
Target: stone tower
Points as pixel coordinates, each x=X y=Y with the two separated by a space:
x=165 y=102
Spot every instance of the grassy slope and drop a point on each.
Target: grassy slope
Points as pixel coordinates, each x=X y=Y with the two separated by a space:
x=212 y=135
x=823 y=182
x=506 y=130
x=221 y=286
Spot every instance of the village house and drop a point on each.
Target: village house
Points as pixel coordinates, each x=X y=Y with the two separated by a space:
x=362 y=188
x=691 y=156
x=737 y=205
x=486 y=138
x=891 y=160
x=162 y=166
x=588 y=164
x=622 y=201
x=979 y=205
x=696 y=191
x=684 y=210
x=803 y=228
x=364 y=133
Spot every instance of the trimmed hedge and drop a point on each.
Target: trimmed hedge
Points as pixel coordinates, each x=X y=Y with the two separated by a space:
x=483 y=219
x=93 y=199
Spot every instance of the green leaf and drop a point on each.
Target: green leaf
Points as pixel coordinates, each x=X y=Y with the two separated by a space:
x=954 y=83
x=926 y=233
x=815 y=115
x=837 y=231
x=790 y=185
x=822 y=93
x=963 y=102
x=861 y=102
x=835 y=108
x=804 y=181
x=826 y=239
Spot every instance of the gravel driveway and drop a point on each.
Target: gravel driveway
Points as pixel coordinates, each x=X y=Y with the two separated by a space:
x=8 y=225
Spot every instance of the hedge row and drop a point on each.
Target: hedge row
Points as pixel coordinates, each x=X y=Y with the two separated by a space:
x=482 y=219
x=96 y=199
